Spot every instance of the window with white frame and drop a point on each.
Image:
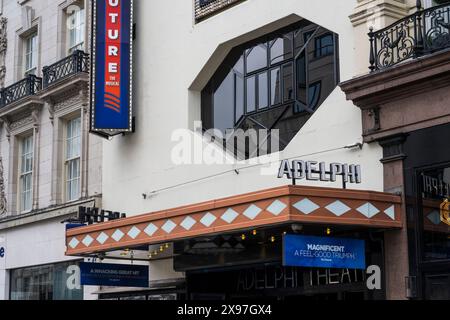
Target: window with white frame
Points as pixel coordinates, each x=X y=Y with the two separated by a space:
x=75 y=28
x=73 y=159
x=26 y=174
x=31 y=54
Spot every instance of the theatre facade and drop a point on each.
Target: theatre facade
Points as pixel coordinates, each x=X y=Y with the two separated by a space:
x=348 y=204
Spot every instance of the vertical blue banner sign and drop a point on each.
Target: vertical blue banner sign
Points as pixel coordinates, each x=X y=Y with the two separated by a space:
x=323 y=252
x=116 y=275
x=111 y=69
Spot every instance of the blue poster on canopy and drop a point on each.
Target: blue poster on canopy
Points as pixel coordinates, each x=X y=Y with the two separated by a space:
x=323 y=252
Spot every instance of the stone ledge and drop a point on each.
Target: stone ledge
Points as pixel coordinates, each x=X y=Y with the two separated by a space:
x=9 y=222
x=410 y=77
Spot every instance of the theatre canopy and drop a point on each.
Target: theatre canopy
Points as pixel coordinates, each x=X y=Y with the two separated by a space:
x=266 y=208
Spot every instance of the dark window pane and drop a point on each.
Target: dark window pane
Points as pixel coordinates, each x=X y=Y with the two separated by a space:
x=251 y=91
x=301 y=37
x=324 y=46
x=281 y=49
x=263 y=92
x=288 y=89
x=435 y=187
x=275 y=87
x=239 y=97
x=301 y=83
x=239 y=66
x=257 y=58
x=224 y=104
x=321 y=71
x=314 y=95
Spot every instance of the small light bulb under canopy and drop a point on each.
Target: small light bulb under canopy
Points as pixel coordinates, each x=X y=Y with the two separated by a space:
x=328 y=231
x=167 y=245
x=243 y=237
x=272 y=239
x=254 y=232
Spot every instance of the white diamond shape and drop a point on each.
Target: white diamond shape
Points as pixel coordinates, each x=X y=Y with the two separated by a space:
x=117 y=235
x=188 y=223
x=151 y=229
x=74 y=243
x=276 y=207
x=102 y=237
x=390 y=212
x=434 y=217
x=87 y=241
x=229 y=216
x=338 y=208
x=368 y=210
x=133 y=233
x=306 y=206
x=208 y=219
x=252 y=212
x=168 y=226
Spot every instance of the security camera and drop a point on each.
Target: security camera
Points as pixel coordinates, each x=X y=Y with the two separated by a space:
x=101 y=256
x=296 y=228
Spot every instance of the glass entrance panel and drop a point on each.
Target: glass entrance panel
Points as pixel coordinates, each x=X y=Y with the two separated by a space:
x=435 y=207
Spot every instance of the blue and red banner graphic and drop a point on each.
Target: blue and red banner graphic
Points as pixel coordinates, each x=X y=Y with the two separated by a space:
x=111 y=77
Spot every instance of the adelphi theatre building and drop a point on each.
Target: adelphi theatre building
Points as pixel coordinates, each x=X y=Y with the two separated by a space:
x=354 y=208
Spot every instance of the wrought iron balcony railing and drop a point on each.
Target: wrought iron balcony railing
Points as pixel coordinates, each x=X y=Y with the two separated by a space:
x=75 y=63
x=421 y=33
x=24 y=88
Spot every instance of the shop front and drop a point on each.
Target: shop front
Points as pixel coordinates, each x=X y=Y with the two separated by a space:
x=47 y=282
x=228 y=267
x=35 y=267
x=290 y=242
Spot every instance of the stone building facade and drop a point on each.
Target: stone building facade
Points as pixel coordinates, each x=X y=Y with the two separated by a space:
x=50 y=162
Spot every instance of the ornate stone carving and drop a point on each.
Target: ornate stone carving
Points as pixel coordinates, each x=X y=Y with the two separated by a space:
x=51 y=110
x=3 y=47
x=21 y=123
x=6 y=123
x=2 y=191
x=35 y=115
x=73 y=100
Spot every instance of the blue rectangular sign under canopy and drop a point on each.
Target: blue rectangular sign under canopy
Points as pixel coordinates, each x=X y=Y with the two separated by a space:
x=74 y=225
x=111 y=69
x=323 y=252
x=115 y=275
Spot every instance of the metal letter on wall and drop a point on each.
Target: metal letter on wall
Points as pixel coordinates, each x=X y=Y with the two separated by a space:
x=111 y=70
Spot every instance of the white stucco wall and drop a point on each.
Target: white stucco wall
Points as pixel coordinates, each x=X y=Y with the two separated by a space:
x=171 y=51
